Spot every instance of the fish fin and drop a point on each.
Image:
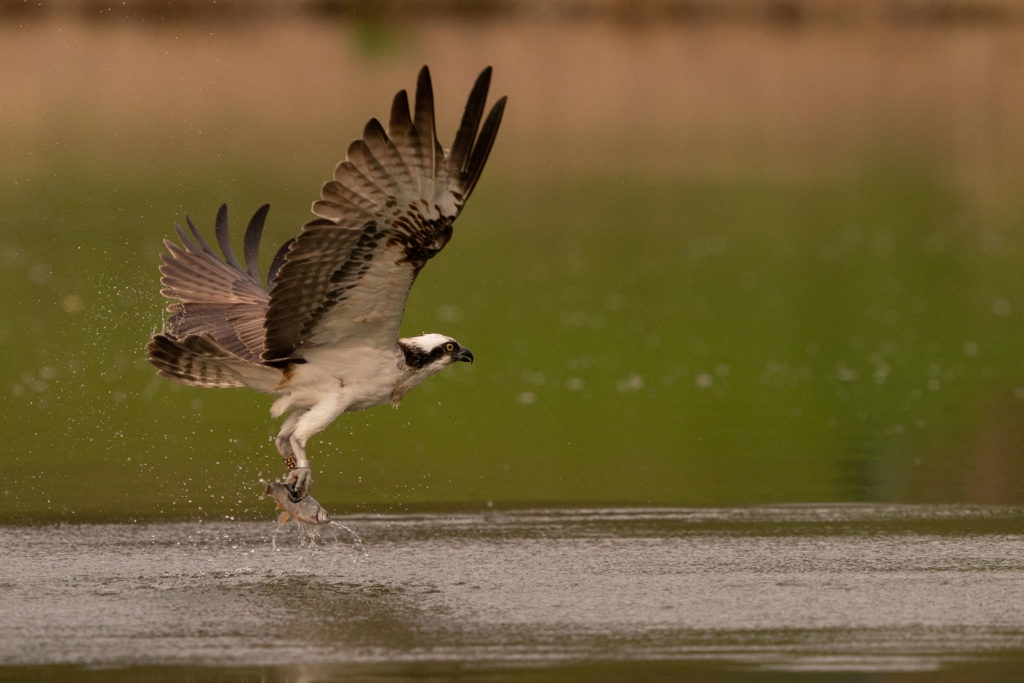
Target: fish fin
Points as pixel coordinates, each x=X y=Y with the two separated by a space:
x=284 y=517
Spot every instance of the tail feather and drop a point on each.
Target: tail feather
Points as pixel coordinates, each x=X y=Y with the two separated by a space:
x=198 y=360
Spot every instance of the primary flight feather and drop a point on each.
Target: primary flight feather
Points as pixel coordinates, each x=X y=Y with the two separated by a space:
x=322 y=333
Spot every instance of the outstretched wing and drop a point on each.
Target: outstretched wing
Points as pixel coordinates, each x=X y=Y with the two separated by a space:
x=217 y=297
x=388 y=210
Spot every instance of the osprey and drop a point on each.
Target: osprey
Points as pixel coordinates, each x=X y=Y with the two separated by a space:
x=322 y=334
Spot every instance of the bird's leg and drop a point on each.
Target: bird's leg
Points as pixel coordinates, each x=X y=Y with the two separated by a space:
x=299 y=479
x=283 y=440
x=309 y=423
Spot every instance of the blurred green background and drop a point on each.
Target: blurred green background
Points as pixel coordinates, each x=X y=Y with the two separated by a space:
x=718 y=257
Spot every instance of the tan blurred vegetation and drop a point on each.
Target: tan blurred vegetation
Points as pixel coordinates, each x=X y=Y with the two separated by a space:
x=625 y=11
x=821 y=92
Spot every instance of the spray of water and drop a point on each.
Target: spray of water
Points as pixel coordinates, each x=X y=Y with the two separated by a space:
x=323 y=535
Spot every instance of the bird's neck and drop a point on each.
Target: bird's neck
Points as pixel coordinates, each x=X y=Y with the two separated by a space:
x=410 y=377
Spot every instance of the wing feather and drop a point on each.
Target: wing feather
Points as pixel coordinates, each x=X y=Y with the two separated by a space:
x=278 y=261
x=351 y=177
x=216 y=297
x=459 y=156
x=482 y=148
x=406 y=139
x=389 y=209
x=195 y=233
x=362 y=158
x=429 y=149
x=399 y=178
x=340 y=201
x=223 y=239
x=251 y=244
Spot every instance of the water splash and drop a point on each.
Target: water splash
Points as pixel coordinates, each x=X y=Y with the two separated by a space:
x=319 y=536
x=357 y=541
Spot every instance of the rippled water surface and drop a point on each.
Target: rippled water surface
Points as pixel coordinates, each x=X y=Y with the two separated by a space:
x=888 y=590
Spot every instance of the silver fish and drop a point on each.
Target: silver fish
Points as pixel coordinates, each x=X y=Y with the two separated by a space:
x=306 y=511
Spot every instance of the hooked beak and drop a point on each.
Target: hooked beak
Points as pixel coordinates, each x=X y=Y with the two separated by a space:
x=465 y=355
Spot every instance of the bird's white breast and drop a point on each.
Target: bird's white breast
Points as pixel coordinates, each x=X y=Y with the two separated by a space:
x=365 y=376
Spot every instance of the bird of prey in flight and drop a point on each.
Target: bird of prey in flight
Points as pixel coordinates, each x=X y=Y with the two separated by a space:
x=322 y=334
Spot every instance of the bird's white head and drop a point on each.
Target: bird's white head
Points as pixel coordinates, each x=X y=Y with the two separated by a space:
x=432 y=352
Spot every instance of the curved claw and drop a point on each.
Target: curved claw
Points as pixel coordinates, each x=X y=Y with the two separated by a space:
x=299 y=482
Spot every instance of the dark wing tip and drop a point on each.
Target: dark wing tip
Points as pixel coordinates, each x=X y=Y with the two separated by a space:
x=482 y=148
x=198 y=236
x=185 y=241
x=251 y=243
x=223 y=238
x=485 y=76
x=374 y=131
x=462 y=148
x=481 y=86
x=400 y=121
x=423 y=80
x=221 y=222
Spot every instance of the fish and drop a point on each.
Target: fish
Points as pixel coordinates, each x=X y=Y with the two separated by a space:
x=305 y=511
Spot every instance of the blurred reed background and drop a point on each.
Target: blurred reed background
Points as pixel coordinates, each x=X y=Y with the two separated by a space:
x=723 y=252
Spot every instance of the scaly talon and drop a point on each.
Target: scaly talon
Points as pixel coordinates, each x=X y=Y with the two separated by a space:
x=299 y=482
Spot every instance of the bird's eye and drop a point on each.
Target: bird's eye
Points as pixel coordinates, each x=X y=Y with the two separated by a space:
x=449 y=347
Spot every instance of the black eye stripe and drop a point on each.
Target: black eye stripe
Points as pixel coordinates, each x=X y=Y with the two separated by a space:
x=417 y=357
